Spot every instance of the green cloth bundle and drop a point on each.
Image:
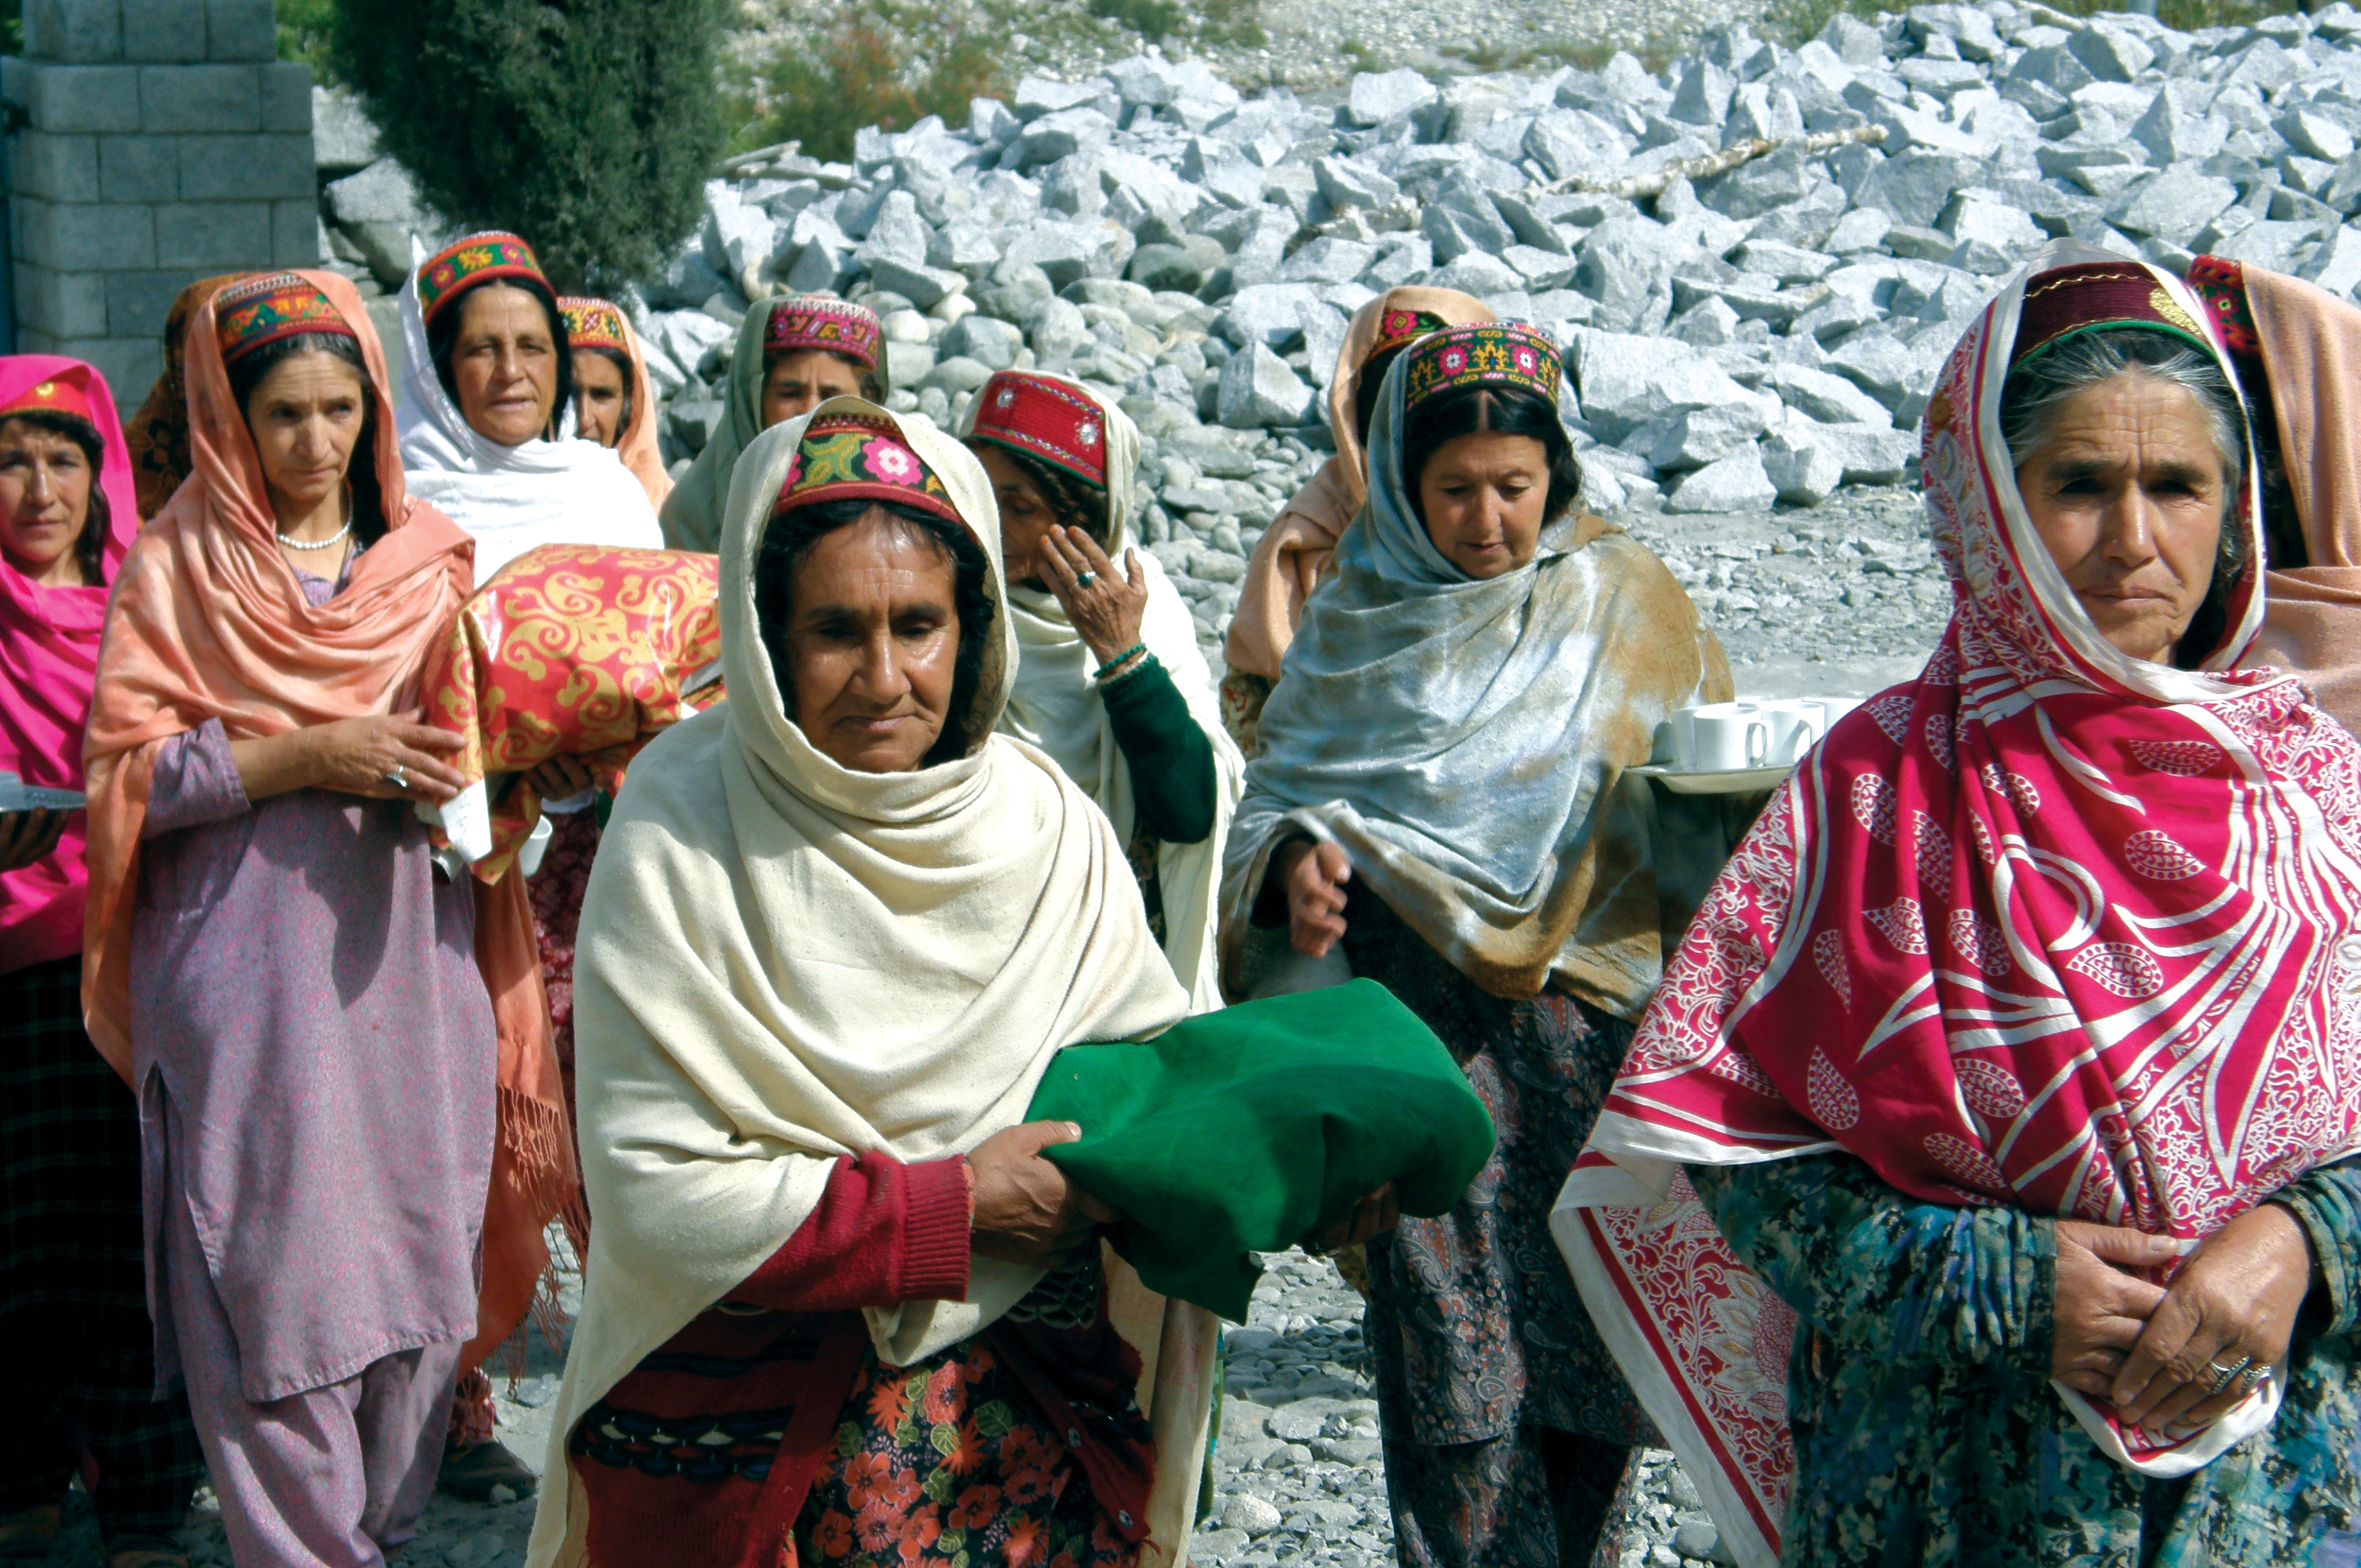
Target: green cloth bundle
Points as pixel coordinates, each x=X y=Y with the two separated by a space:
x=1248 y=1129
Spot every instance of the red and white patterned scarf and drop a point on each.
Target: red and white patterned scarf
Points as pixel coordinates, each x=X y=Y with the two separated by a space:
x=2049 y=927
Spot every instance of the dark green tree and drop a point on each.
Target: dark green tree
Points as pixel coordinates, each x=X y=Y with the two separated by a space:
x=586 y=126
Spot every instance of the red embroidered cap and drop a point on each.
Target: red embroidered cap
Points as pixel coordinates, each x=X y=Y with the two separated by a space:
x=477 y=258
x=1044 y=419
x=67 y=392
x=269 y=306
x=825 y=322
x=592 y=324
x=2067 y=301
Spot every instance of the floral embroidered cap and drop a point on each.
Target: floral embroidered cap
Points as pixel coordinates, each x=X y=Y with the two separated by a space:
x=1396 y=328
x=853 y=456
x=478 y=258
x=269 y=306
x=2092 y=296
x=592 y=324
x=1046 y=420
x=1482 y=354
x=67 y=392
x=823 y=322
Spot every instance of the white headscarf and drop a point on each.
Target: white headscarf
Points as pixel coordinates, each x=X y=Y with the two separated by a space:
x=781 y=961
x=510 y=498
x=1465 y=741
x=1055 y=705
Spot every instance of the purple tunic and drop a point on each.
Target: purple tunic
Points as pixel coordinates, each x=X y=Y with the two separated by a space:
x=304 y=991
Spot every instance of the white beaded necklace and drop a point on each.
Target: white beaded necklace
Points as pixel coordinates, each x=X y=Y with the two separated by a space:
x=336 y=537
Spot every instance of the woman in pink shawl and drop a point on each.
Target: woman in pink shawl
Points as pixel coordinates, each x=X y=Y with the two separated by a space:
x=74 y=1340
x=1979 y=1187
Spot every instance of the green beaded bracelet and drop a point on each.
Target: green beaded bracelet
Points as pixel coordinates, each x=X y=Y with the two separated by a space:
x=1119 y=658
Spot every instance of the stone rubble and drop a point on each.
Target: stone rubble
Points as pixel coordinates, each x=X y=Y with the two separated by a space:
x=1744 y=346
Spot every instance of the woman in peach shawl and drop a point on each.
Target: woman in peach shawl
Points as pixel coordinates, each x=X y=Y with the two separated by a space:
x=614 y=402
x=1296 y=549
x=2296 y=349
x=276 y=964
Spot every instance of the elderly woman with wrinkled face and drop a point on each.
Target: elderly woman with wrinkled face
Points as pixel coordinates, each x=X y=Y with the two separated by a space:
x=2014 y=1058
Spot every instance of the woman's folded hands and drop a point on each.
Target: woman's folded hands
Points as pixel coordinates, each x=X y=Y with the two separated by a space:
x=2172 y=1359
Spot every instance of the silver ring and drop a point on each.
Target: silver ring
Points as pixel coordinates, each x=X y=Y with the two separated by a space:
x=1085 y=579
x=2257 y=1374
x=399 y=778
x=2225 y=1375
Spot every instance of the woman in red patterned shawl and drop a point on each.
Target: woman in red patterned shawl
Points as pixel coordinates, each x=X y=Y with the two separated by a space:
x=1978 y=1187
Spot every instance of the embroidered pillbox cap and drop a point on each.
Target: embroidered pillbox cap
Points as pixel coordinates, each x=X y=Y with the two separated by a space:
x=2066 y=301
x=67 y=392
x=478 y=258
x=853 y=456
x=823 y=322
x=268 y=306
x=1046 y=420
x=592 y=324
x=1482 y=354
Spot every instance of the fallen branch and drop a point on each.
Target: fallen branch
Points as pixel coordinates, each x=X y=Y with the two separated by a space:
x=759 y=157
x=1736 y=154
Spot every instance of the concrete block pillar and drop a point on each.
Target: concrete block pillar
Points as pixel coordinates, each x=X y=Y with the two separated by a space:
x=150 y=143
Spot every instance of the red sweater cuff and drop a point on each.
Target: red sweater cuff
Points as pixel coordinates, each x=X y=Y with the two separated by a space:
x=935 y=1232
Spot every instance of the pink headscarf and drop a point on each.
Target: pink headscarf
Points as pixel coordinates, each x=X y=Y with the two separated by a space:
x=2049 y=927
x=49 y=659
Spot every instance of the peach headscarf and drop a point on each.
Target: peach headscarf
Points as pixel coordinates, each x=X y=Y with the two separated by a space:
x=208 y=621
x=636 y=446
x=1296 y=548
x=2311 y=357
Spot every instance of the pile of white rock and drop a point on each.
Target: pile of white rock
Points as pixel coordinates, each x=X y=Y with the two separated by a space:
x=1760 y=336
x=1752 y=337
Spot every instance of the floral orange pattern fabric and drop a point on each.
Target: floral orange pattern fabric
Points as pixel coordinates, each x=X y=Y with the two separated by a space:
x=573 y=650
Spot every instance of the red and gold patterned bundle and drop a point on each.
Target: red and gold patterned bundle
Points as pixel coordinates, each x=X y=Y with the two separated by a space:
x=576 y=651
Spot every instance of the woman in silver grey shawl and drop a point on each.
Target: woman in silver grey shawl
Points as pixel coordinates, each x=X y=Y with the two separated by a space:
x=1460 y=742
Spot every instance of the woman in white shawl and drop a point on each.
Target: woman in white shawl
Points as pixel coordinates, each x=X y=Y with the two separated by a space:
x=486 y=417
x=487 y=410
x=1109 y=678
x=839 y=930
x=1441 y=793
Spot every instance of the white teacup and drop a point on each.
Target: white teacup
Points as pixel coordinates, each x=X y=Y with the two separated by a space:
x=1722 y=737
x=1796 y=725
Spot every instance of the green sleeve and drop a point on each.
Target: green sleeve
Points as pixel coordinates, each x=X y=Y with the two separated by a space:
x=1882 y=1275
x=1172 y=762
x=2327 y=1201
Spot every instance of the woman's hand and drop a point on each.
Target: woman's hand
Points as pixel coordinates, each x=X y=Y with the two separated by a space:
x=1108 y=610
x=1026 y=1209
x=29 y=836
x=353 y=756
x=560 y=778
x=2102 y=1311
x=1374 y=1216
x=2236 y=1298
x=1315 y=876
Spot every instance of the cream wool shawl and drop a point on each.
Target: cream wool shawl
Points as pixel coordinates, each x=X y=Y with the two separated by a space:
x=1054 y=704
x=781 y=962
